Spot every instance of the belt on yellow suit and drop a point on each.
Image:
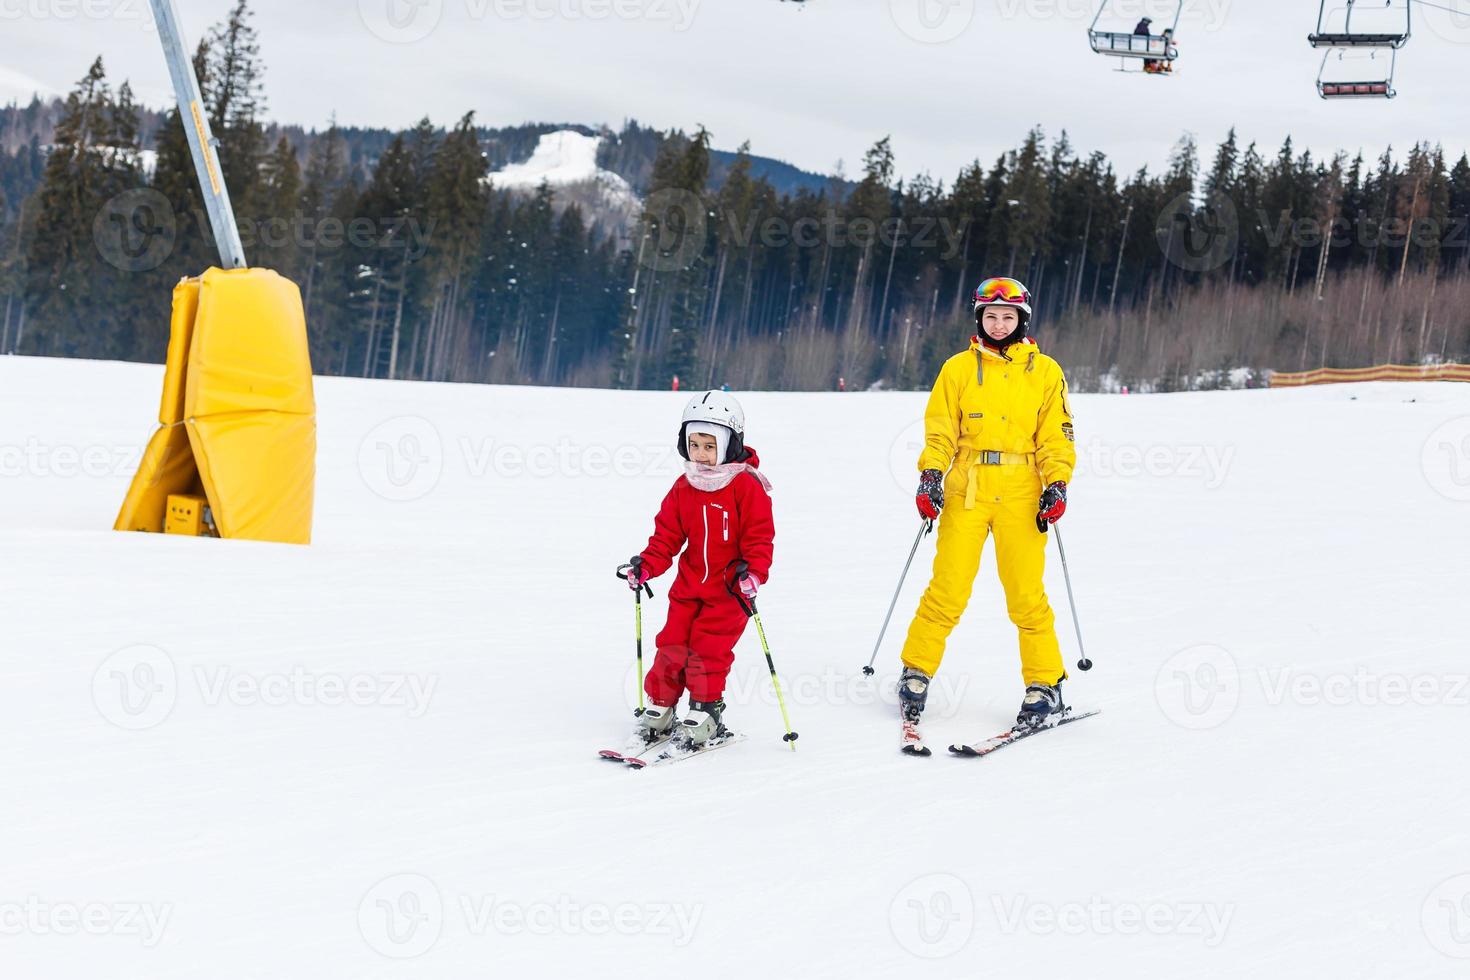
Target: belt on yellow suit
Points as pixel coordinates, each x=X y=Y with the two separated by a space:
x=988 y=457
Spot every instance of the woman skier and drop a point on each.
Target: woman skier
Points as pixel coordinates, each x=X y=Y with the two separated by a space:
x=719 y=513
x=999 y=424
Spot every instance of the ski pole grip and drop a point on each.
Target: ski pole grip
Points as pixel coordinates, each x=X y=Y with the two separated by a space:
x=622 y=573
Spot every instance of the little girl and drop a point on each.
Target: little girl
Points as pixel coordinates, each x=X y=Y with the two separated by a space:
x=721 y=510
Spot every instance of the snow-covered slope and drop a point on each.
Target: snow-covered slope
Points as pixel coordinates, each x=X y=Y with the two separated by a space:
x=374 y=757
x=567 y=159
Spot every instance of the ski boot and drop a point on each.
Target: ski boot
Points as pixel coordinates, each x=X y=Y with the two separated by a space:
x=1042 y=702
x=703 y=722
x=913 y=692
x=656 y=723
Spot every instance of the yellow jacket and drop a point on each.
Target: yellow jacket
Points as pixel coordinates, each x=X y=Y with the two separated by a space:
x=981 y=401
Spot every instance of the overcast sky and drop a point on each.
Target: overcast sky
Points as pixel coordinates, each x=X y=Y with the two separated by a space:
x=812 y=83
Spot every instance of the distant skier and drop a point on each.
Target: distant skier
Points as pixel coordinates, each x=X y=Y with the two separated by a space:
x=998 y=422
x=719 y=514
x=1144 y=27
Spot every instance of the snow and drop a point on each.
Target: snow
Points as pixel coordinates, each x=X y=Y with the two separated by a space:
x=565 y=158
x=375 y=757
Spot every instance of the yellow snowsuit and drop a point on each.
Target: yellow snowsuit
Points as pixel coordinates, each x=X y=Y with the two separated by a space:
x=1003 y=430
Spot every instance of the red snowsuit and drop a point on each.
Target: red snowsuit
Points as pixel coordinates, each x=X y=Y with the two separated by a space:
x=697 y=645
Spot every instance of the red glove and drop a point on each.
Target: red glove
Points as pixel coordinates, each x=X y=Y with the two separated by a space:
x=930 y=498
x=1053 y=505
x=635 y=573
x=749 y=584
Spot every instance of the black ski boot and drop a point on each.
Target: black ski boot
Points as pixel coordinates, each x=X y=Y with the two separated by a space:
x=1041 y=702
x=702 y=723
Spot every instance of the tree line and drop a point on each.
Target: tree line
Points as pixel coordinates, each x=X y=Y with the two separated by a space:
x=413 y=264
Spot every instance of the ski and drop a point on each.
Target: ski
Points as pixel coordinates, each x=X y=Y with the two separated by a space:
x=1016 y=734
x=679 y=751
x=637 y=746
x=912 y=742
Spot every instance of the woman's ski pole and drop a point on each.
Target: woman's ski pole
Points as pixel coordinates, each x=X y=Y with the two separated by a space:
x=1084 y=663
x=925 y=527
x=748 y=605
x=622 y=573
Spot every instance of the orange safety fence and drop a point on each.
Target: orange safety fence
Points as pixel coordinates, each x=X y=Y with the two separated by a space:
x=1383 y=372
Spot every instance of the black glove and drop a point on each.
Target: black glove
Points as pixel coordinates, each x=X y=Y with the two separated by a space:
x=930 y=497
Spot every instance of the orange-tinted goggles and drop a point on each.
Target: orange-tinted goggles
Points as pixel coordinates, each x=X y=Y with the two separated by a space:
x=1002 y=291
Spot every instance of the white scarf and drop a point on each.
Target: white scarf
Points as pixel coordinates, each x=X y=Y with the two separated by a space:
x=712 y=478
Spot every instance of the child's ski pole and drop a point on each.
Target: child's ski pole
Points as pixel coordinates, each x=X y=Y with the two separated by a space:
x=622 y=573
x=925 y=527
x=748 y=605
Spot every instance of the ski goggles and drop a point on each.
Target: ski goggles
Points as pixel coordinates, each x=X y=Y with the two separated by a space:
x=1002 y=291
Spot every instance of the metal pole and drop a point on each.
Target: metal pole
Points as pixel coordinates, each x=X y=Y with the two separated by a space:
x=1084 y=663
x=925 y=526
x=202 y=143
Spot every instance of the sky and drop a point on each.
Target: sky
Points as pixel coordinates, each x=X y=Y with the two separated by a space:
x=813 y=83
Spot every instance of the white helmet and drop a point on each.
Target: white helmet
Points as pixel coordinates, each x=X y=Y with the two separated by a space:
x=721 y=412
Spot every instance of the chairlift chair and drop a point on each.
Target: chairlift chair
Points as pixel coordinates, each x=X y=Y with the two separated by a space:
x=1156 y=50
x=1356 y=88
x=1326 y=36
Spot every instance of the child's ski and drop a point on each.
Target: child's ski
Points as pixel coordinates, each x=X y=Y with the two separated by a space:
x=1019 y=732
x=913 y=740
x=636 y=746
x=680 y=750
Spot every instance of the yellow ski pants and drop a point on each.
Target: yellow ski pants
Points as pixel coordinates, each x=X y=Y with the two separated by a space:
x=981 y=501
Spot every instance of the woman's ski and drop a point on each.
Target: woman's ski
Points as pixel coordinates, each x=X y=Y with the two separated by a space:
x=1020 y=732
